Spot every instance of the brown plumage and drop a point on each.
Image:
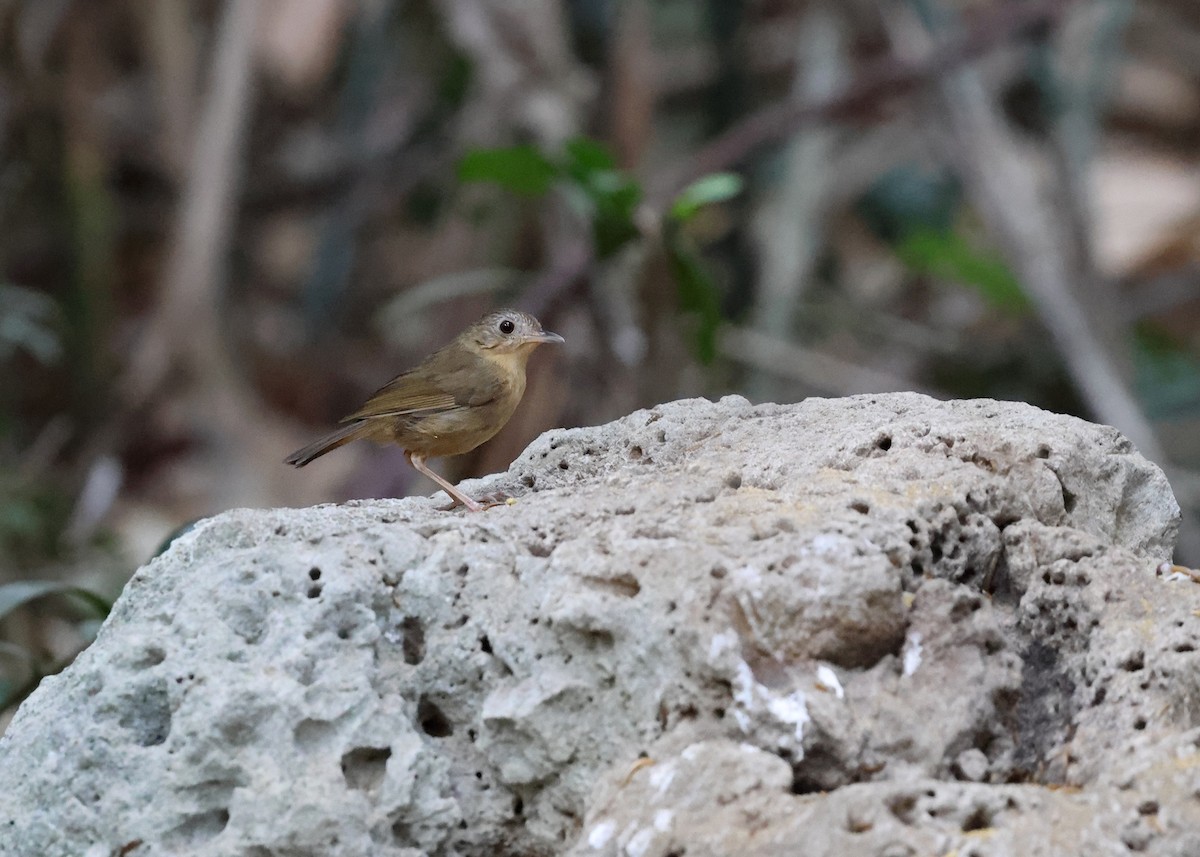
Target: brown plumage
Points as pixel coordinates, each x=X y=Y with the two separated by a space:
x=456 y=399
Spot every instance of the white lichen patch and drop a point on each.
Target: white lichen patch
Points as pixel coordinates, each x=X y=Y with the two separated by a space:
x=601 y=833
x=751 y=697
x=640 y=843
x=661 y=777
x=827 y=681
x=911 y=656
x=726 y=641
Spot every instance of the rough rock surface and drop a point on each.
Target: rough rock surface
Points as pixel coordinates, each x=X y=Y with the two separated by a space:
x=882 y=625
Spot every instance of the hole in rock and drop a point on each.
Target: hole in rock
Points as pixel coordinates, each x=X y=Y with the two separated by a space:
x=314 y=573
x=412 y=641
x=562 y=465
x=527 y=480
x=152 y=656
x=979 y=819
x=433 y=722
x=314 y=591
x=597 y=638
x=1139 y=724
x=884 y=443
x=311 y=734
x=903 y=806
x=400 y=833
x=635 y=452
x=861 y=507
x=1133 y=662
x=147 y=715
x=365 y=767
x=200 y=827
x=1043 y=451
x=485 y=645
x=518 y=806
x=1069 y=500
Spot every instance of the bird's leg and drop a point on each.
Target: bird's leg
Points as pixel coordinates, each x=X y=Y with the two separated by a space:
x=418 y=463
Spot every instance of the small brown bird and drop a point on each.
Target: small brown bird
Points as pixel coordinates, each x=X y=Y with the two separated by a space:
x=460 y=396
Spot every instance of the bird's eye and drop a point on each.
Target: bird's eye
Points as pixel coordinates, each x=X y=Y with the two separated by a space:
x=507 y=327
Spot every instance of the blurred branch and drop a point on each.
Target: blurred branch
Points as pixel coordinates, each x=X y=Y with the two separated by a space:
x=789 y=224
x=816 y=369
x=172 y=50
x=186 y=321
x=878 y=81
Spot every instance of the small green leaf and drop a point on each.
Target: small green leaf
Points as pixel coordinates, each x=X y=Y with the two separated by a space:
x=615 y=199
x=14 y=595
x=949 y=256
x=520 y=169
x=697 y=295
x=714 y=188
x=585 y=155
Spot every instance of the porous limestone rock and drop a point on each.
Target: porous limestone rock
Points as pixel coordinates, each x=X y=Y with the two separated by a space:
x=882 y=625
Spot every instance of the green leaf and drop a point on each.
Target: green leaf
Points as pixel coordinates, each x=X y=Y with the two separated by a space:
x=615 y=199
x=585 y=155
x=697 y=295
x=14 y=595
x=711 y=189
x=520 y=169
x=949 y=256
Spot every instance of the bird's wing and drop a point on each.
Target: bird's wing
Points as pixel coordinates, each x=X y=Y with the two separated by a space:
x=454 y=381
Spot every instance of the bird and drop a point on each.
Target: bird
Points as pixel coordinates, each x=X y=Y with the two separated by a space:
x=454 y=400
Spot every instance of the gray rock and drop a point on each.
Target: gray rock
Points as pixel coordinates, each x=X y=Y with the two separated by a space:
x=878 y=625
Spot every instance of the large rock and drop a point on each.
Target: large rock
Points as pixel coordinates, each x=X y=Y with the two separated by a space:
x=882 y=625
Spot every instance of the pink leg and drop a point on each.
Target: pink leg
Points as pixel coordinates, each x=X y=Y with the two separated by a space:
x=418 y=463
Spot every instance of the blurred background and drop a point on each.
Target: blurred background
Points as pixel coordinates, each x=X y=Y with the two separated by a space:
x=226 y=222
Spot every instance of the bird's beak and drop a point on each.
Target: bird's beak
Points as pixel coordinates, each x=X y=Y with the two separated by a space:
x=546 y=336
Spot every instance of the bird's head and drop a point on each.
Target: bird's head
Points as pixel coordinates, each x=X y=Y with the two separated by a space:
x=508 y=331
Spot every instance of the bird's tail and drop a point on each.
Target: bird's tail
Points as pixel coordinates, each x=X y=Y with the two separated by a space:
x=328 y=443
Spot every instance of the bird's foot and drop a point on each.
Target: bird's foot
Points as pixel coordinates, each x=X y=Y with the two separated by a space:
x=490 y=501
